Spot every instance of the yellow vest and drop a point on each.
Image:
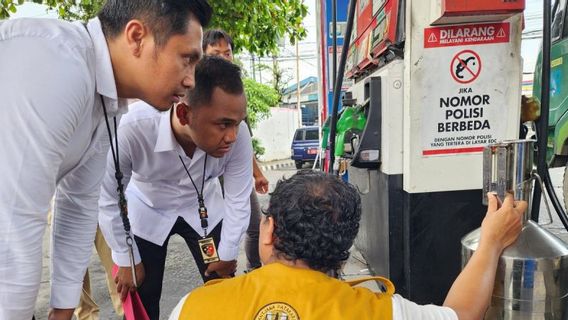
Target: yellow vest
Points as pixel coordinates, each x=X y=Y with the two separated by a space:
x=279 y=292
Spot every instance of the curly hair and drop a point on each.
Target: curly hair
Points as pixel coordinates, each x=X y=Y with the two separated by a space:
x=316 y=217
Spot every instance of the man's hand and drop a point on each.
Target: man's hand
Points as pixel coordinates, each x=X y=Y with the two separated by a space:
x=470 y=294
x=261 y=184
x=225 y=269
x=503 y=222
x=124 y=282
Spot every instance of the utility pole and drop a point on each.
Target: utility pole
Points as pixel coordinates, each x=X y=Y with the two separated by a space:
x=298 y=97
x=253 y=67
x=260 y=69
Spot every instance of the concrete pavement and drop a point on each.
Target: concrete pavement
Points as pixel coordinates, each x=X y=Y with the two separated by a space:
x=276 y=165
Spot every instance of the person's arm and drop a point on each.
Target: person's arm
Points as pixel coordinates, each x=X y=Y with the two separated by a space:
x=260 y=181
x=109 y=215
x=238 y=186
x=74 y=227
x=470 y=294
x=403 y=309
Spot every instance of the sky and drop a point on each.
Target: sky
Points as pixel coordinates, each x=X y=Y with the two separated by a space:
x=30 y=9
x=533 y=22
x=529 y=51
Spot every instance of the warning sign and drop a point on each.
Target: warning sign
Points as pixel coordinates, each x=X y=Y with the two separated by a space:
x=463 y=107
x=464 y=35
x=465 y=66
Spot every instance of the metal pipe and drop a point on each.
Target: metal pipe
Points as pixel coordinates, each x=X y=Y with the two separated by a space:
x=339 y=81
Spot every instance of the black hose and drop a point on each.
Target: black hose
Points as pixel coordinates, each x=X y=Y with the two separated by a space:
x=542 y=126
x=542 y=123
x=338 y=83
x=555 y=202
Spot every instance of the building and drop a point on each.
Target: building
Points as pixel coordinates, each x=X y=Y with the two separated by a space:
x=309 y=104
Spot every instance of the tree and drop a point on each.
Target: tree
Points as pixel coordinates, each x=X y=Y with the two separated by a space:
x=281 y=78
x=260 y=98
x=256 y=25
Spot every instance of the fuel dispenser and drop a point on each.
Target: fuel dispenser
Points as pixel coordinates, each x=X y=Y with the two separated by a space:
x=351 y=121
x=436 y=94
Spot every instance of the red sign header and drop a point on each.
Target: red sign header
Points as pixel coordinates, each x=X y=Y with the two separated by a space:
x=471 y=34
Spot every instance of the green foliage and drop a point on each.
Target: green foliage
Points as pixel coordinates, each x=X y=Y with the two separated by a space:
x=260 y=99
x=7 y=7
x=257 y=148
x=74 y=9
x=256 y=25
x=280 y=79
x=67 y=9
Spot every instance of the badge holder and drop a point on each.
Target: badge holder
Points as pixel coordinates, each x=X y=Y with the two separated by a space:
x=206 y=244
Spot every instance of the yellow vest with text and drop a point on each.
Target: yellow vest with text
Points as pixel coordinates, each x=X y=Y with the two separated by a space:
x=279 y=292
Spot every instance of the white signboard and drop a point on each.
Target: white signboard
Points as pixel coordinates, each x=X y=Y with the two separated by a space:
x=464 y=110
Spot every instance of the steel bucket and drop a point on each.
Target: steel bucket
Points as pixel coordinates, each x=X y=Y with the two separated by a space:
x=532 y=275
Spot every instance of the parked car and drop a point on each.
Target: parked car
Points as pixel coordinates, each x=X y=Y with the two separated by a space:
x=305 y=145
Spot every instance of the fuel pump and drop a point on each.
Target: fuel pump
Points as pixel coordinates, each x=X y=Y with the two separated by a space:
x=351 y=122
x=441 y=79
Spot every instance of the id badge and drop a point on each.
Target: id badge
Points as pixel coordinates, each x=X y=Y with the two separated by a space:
x=208 y=250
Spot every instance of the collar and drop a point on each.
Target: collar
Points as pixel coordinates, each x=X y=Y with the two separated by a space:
x=166 y=140
x=104 y=75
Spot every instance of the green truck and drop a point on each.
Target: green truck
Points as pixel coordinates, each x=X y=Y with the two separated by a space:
x=557 y=151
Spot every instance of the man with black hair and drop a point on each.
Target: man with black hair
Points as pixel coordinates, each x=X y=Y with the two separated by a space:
x=58 y=80
x=218 y=43
x=171 y=162
x=307 y=231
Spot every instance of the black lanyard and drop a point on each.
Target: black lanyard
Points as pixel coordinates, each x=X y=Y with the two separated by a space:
x=202 y=211
x=122 y=203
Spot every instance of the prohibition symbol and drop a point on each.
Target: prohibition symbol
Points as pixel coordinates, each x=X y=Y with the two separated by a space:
x=465 y=66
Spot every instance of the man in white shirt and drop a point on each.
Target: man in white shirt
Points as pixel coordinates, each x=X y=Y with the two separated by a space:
x=171 y=162
x=217 y=42
x=308 y=228
x=56 y=77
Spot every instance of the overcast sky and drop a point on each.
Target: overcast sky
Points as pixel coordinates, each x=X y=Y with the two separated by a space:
x=533 y=22
x=530 y=48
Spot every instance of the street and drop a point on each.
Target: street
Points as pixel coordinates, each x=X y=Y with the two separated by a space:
x=181 y=275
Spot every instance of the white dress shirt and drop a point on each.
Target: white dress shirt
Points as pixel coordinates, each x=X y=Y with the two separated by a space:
x=52 y=138
x=159 y=189
x=402 y=309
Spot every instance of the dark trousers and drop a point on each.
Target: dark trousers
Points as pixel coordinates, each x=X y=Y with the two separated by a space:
x=251 y=238
x=154 y=260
